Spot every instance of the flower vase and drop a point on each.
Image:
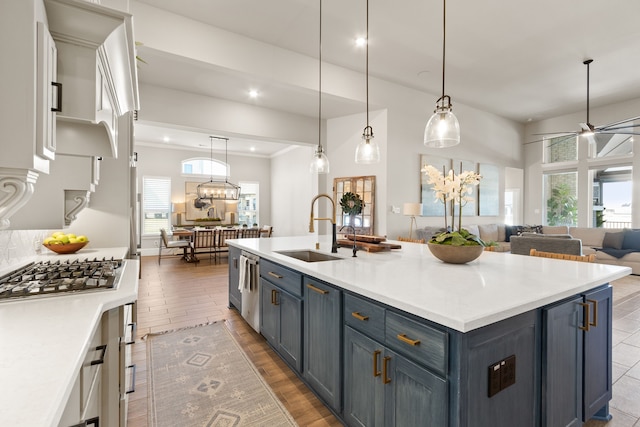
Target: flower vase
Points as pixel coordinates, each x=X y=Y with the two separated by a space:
x=455 y=254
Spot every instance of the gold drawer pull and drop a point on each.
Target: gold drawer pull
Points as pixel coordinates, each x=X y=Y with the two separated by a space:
x=318 y=290
x=385 y=368
x=405 y=339
x=595 y=312
x=274 y=297
x=586 y=317
x=360 y=316
x=376 y=353
x=277 y=276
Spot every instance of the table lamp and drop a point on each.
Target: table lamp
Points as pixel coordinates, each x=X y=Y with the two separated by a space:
x=412 y=210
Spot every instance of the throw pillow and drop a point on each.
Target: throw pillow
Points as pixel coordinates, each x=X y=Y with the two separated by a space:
x=508 y=232
x=631 y=240
x=613 y=240
x=489 y=232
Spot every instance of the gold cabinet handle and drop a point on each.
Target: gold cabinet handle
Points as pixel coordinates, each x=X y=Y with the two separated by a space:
x=404 y=338
x=586 y=317
x=385 y=369
x=277 y=276
x=595 y=312
x=360 y=316
x=274 y=297
x=376 y=353
x=315 y=289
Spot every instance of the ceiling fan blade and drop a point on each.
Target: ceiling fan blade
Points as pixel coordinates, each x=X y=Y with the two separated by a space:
x=618 y=123
x=557 y=133
x=607 y=128
x=618 y=133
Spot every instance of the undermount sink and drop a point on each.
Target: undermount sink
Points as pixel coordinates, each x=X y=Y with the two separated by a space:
x=308 y=256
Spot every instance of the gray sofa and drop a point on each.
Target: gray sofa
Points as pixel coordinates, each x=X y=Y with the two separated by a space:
x=556 y=243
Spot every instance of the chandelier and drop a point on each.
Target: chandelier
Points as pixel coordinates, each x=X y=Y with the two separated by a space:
x=216 y=189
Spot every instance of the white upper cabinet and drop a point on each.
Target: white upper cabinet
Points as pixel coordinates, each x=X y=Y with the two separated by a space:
x=29 y=94
x=96 y=66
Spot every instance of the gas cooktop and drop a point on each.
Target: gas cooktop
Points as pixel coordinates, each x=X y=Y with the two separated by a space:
x=59 y=277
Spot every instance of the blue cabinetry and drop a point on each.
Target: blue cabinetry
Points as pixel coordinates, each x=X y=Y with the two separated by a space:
x=323 y=340
x=281 y=312
x=576 y=359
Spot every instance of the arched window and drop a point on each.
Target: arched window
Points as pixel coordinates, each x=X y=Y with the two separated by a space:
x=205 y=167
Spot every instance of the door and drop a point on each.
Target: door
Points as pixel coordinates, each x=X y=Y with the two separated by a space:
x=562 y=364
x=269 y=312
x=290 y=333
x=413 y=395
x=597 y=353
x=363 y=388
x=322 y=339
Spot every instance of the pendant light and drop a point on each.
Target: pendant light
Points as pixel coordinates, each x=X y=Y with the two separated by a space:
x=367 y=151
x=320 y=162
x=443 y=129
x=212 y=190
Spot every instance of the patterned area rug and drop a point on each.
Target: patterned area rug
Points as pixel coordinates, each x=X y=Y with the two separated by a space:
x=201 y=377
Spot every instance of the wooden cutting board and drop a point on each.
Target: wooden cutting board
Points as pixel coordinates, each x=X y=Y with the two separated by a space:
x=366 y=238
x=369 y=247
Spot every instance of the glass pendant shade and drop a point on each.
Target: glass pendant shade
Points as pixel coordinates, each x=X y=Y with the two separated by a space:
x=320 y=162
x=442 y=130
x=367 y=151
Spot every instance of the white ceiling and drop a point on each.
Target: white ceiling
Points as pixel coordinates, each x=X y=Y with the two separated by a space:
x=519 y=59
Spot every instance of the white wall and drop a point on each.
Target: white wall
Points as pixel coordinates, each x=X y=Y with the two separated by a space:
x=533 y=202
x=157 y=161
x=293 y=188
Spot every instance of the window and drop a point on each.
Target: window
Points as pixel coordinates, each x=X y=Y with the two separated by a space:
x=560 y=149
x=610 y=145
x=156 y=204
x=560 y=193
x=202 y=166
x=248 y=203
x=612 y=193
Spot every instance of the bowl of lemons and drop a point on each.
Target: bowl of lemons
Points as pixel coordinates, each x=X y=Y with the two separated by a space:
x=62 y=243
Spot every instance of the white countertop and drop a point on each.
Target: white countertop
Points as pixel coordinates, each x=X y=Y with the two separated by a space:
x=43 y=341
x=465 y=297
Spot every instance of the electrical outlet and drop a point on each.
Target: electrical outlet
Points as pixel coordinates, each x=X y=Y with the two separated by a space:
x=502 y=374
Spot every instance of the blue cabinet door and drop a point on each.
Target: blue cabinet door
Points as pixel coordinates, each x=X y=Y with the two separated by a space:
x=269 y=312
x=290 y=331
x=413 y=395
x=562 y=364
x=597 y=353
x=322 y=340
x=235 y=298
x=363 y=387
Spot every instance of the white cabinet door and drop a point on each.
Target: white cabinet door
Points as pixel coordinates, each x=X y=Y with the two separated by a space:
x=48 y=94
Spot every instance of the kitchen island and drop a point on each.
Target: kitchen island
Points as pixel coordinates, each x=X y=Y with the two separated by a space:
x=444 y=329
x=44 y=342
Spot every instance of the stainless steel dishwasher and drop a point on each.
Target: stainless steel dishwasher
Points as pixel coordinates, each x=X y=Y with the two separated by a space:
x=249 y=286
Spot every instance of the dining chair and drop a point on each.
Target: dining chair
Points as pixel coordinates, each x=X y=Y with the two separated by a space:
x=266 y=231
x=171 y=244
x=221 y=240
x=406 y=239
x=581 y=258
x=203 y=239
x=247 y=233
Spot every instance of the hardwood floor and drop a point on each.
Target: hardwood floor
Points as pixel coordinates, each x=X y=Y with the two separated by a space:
x=176 y=294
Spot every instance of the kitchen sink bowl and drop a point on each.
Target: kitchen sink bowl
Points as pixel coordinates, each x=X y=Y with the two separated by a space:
x=309 y=256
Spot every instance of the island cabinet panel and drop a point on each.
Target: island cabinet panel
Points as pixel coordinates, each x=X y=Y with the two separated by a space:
x=495 y=349
x=281 y=322
x=235 y=297
x=576 y=359
x=323 y=340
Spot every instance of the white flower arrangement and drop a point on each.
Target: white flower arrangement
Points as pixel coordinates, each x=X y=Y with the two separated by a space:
x=452 y=189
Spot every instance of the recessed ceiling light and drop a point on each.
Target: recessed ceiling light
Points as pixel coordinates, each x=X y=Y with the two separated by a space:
x=253 y=93
x=361 y=41
x=252 y=149
x=166 y=139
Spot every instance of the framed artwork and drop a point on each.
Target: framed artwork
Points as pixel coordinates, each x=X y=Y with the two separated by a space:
x=430 y=205
x=489 y=190
x=214 y=210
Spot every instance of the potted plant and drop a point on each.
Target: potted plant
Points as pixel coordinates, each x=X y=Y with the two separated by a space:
x=452 y=190
x=351 y=205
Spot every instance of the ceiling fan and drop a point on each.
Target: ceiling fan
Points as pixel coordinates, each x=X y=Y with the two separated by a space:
x=624 y=127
